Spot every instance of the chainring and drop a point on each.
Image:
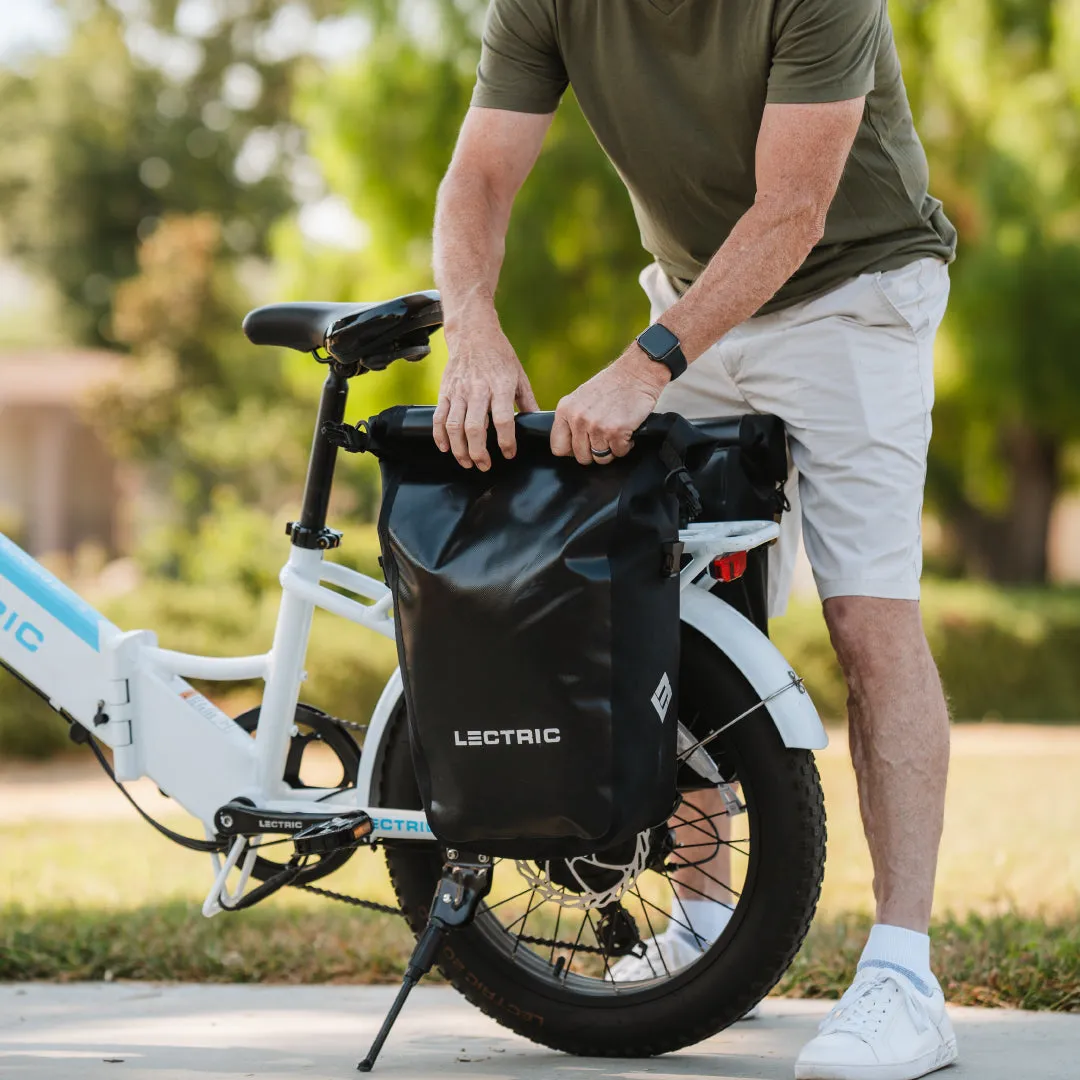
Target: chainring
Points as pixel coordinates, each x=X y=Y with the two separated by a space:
x=310 y=726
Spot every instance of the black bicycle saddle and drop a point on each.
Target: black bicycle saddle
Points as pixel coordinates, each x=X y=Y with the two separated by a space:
x=370 y=335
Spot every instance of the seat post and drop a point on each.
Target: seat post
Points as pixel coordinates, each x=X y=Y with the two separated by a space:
x=311 y=531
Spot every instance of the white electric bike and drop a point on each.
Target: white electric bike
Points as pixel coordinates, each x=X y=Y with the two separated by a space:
x=579 y=955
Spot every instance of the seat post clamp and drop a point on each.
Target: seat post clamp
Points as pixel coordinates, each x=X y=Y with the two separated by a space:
x=313 y=539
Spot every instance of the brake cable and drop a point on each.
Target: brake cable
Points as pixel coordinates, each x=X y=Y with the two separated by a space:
x=213 y=847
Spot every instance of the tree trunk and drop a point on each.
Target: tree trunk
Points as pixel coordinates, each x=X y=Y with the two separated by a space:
x=1010 y=548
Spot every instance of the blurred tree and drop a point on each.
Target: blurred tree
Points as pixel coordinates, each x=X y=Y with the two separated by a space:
x=182 y=106
x=144 y=172
x=384 y=129
x=173 y=107
x=207 y=409
x=995 y=86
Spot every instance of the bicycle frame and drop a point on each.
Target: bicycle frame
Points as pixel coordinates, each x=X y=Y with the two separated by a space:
x=134 y=696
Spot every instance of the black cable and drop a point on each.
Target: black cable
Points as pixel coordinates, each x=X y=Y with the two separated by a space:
x=215 y=847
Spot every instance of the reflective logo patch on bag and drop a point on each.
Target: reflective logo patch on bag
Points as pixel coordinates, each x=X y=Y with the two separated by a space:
x=661 y=698
x=508 y=737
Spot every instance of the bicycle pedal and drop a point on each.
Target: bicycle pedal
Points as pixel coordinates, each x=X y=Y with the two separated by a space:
x=322 y=837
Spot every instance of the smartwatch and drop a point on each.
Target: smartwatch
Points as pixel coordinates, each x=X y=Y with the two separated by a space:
x=661 y=345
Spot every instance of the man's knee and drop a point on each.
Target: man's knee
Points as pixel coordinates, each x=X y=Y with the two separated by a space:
x=870 y=633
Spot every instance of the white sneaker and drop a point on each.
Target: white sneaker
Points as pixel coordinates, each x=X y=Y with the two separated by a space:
x=673 y=948
x=883 y=1028
x=665 y=954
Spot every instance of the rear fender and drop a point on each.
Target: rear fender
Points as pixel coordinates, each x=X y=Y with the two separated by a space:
x=762 y=665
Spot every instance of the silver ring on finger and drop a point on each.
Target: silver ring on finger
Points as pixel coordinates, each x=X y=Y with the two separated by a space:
x=601 y=454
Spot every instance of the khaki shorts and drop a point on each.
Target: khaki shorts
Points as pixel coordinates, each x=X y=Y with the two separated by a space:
x=851 y=374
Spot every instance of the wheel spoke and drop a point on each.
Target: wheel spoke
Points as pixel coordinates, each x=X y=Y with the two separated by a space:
x=656 y=907
x=713 y=843
x=499 y=903
x=522 y=918
x=555 y=936
x=603 y=953
x=706 y=896
x=695 y=824
x=652 y=934
x=698 y=939
x=573 y=949
x=700 y=818
x=566 y=945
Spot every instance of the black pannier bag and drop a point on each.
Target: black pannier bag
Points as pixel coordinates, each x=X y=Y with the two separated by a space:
x=537 y=623
x=743 y=480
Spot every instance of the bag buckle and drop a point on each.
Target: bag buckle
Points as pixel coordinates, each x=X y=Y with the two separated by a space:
x=671 y=564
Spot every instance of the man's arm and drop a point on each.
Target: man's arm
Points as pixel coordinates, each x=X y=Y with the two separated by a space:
x=801 y=152
x=496 y=151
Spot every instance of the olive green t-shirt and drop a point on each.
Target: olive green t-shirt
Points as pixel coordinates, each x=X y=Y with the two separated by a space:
x=674 y=91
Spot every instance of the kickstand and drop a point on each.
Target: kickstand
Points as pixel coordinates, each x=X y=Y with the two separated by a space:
x=466 y=879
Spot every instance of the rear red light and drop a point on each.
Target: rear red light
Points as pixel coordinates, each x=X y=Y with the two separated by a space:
x=728 y=567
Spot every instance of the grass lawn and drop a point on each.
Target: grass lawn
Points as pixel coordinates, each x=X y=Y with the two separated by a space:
x=90 y=898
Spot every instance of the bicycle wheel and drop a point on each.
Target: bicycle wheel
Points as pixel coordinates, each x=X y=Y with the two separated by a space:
x=540 y=963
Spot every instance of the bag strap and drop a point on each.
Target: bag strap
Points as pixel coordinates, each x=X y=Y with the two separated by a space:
x=678 y=479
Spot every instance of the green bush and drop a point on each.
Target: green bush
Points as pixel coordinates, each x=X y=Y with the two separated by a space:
x=28 y=727
x=1003 y=654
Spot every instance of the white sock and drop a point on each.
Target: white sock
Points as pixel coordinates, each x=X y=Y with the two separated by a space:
x=907 y=949
x=709 y=918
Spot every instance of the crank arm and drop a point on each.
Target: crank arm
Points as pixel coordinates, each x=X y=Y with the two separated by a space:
x=319 y=832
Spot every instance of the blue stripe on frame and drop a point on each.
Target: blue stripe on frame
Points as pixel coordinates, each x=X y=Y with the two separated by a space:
x=49 y=593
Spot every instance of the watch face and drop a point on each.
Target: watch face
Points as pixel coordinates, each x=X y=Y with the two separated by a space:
x=658 y=341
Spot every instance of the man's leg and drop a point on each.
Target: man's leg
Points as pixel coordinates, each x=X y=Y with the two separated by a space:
x=851 y=374
x=898 y=728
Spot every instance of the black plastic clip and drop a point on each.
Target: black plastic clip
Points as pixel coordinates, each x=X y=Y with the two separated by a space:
x=671 y=565
x=680 y=482
x=353 y=440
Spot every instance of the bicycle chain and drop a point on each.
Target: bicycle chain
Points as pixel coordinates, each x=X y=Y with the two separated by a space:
x=354 y=901
x=350 y=724
x=528 y=939
x=388 y=909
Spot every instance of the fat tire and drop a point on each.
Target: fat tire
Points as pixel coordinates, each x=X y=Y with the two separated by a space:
x=783 y=793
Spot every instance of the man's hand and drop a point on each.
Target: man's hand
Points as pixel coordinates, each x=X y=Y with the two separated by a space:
x=495 y=152
x=597 y=421
x=483 y=379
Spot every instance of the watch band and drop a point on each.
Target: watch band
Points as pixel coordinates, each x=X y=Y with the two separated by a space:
x=661 y=345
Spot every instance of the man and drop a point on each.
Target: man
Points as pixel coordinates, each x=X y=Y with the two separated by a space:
x=768 y=149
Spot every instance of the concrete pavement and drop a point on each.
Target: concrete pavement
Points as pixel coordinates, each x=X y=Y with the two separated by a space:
x=134 y=1031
